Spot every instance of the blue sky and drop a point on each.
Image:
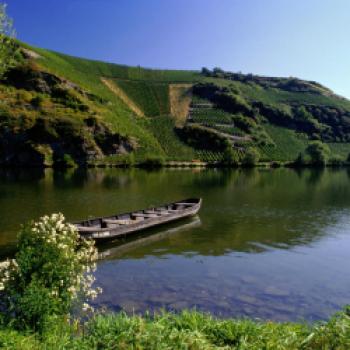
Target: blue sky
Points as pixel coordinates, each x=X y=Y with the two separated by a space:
x=303 y=38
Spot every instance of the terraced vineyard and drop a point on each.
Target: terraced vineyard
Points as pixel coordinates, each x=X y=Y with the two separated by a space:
x=208 y=156
x=288 y=144
x=163 y=128
x=209 y=116
x=152 y=98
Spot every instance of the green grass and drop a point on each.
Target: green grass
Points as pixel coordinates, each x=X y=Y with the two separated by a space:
x=188 y=330
x=112 y=70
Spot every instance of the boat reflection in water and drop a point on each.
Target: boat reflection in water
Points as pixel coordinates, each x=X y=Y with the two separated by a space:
x=124 y=245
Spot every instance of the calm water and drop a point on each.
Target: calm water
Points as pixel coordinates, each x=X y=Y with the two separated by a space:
x=273 y=244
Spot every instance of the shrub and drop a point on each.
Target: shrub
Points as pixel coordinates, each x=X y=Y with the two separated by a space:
x=24 y=96
x=336 y=161
x=51 y=271
x=251 y=157
x=152 y=161
x=318 y=152
x=37 y=101
x=127 y=160
x=201 y=137
x=300 y=160
x=276 y=164
x=230 y=157
x=66 y=161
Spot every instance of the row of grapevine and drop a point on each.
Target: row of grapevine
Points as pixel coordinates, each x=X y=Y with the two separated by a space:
x=151 y=98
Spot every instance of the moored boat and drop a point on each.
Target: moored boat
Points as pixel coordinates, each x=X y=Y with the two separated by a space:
x=110 y=227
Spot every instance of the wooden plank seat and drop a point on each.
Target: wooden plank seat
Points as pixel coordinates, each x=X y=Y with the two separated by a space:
x=186 y=204
x=162 y=212
x=144 y=215
x=118 y=221
x=88 y=229
x=155 y=212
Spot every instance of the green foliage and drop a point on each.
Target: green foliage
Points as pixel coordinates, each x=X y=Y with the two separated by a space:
x=8 y=48
x=318 y=152
x=251 y=157
x=50 y=272
x=187 y=330
x=152 y=161
x=336 y=160
x=37 y=101
x=122 y=160
x=66 y=161
x=230 y=157
x=201 y=137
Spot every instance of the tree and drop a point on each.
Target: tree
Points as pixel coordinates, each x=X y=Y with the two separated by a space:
x=318 y=152
x=230 y=156
x=251 y=157
x=205 y=71
x=8 y=48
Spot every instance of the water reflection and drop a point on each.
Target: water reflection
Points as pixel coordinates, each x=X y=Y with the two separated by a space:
x=117 y=248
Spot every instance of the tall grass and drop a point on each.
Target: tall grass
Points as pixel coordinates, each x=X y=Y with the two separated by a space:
x=188 y=330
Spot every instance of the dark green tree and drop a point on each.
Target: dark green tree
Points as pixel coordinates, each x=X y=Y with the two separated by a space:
x=319 y=152
x=230 y=156
x=251 y=157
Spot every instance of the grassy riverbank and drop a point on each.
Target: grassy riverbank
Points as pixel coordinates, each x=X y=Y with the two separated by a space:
x=189 y=330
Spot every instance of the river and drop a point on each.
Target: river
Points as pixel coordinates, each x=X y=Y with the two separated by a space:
x=267 y=243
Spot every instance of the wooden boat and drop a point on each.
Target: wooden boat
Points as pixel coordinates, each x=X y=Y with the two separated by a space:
x=110 y=227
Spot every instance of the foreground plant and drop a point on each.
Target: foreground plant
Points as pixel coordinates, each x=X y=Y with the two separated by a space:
x=52 y=271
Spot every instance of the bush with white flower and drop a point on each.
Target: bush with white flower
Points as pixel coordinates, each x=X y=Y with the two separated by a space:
x=52 y=270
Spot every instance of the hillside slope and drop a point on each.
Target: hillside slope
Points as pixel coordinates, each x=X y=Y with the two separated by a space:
x=57 y=110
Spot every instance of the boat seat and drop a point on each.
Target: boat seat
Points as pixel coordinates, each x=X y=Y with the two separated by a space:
x=87 y=229
x=162 y=212
x=117 y=221
x=179 y=207
x=144 y=215
x=186 y=204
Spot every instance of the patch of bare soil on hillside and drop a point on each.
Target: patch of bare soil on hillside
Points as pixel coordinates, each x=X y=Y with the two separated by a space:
x=180 y=96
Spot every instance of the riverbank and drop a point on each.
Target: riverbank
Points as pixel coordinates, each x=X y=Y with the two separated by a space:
x=188 y=330
x=189 y=164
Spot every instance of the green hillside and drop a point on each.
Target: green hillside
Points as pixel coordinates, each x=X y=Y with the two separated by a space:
x=59 y=110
